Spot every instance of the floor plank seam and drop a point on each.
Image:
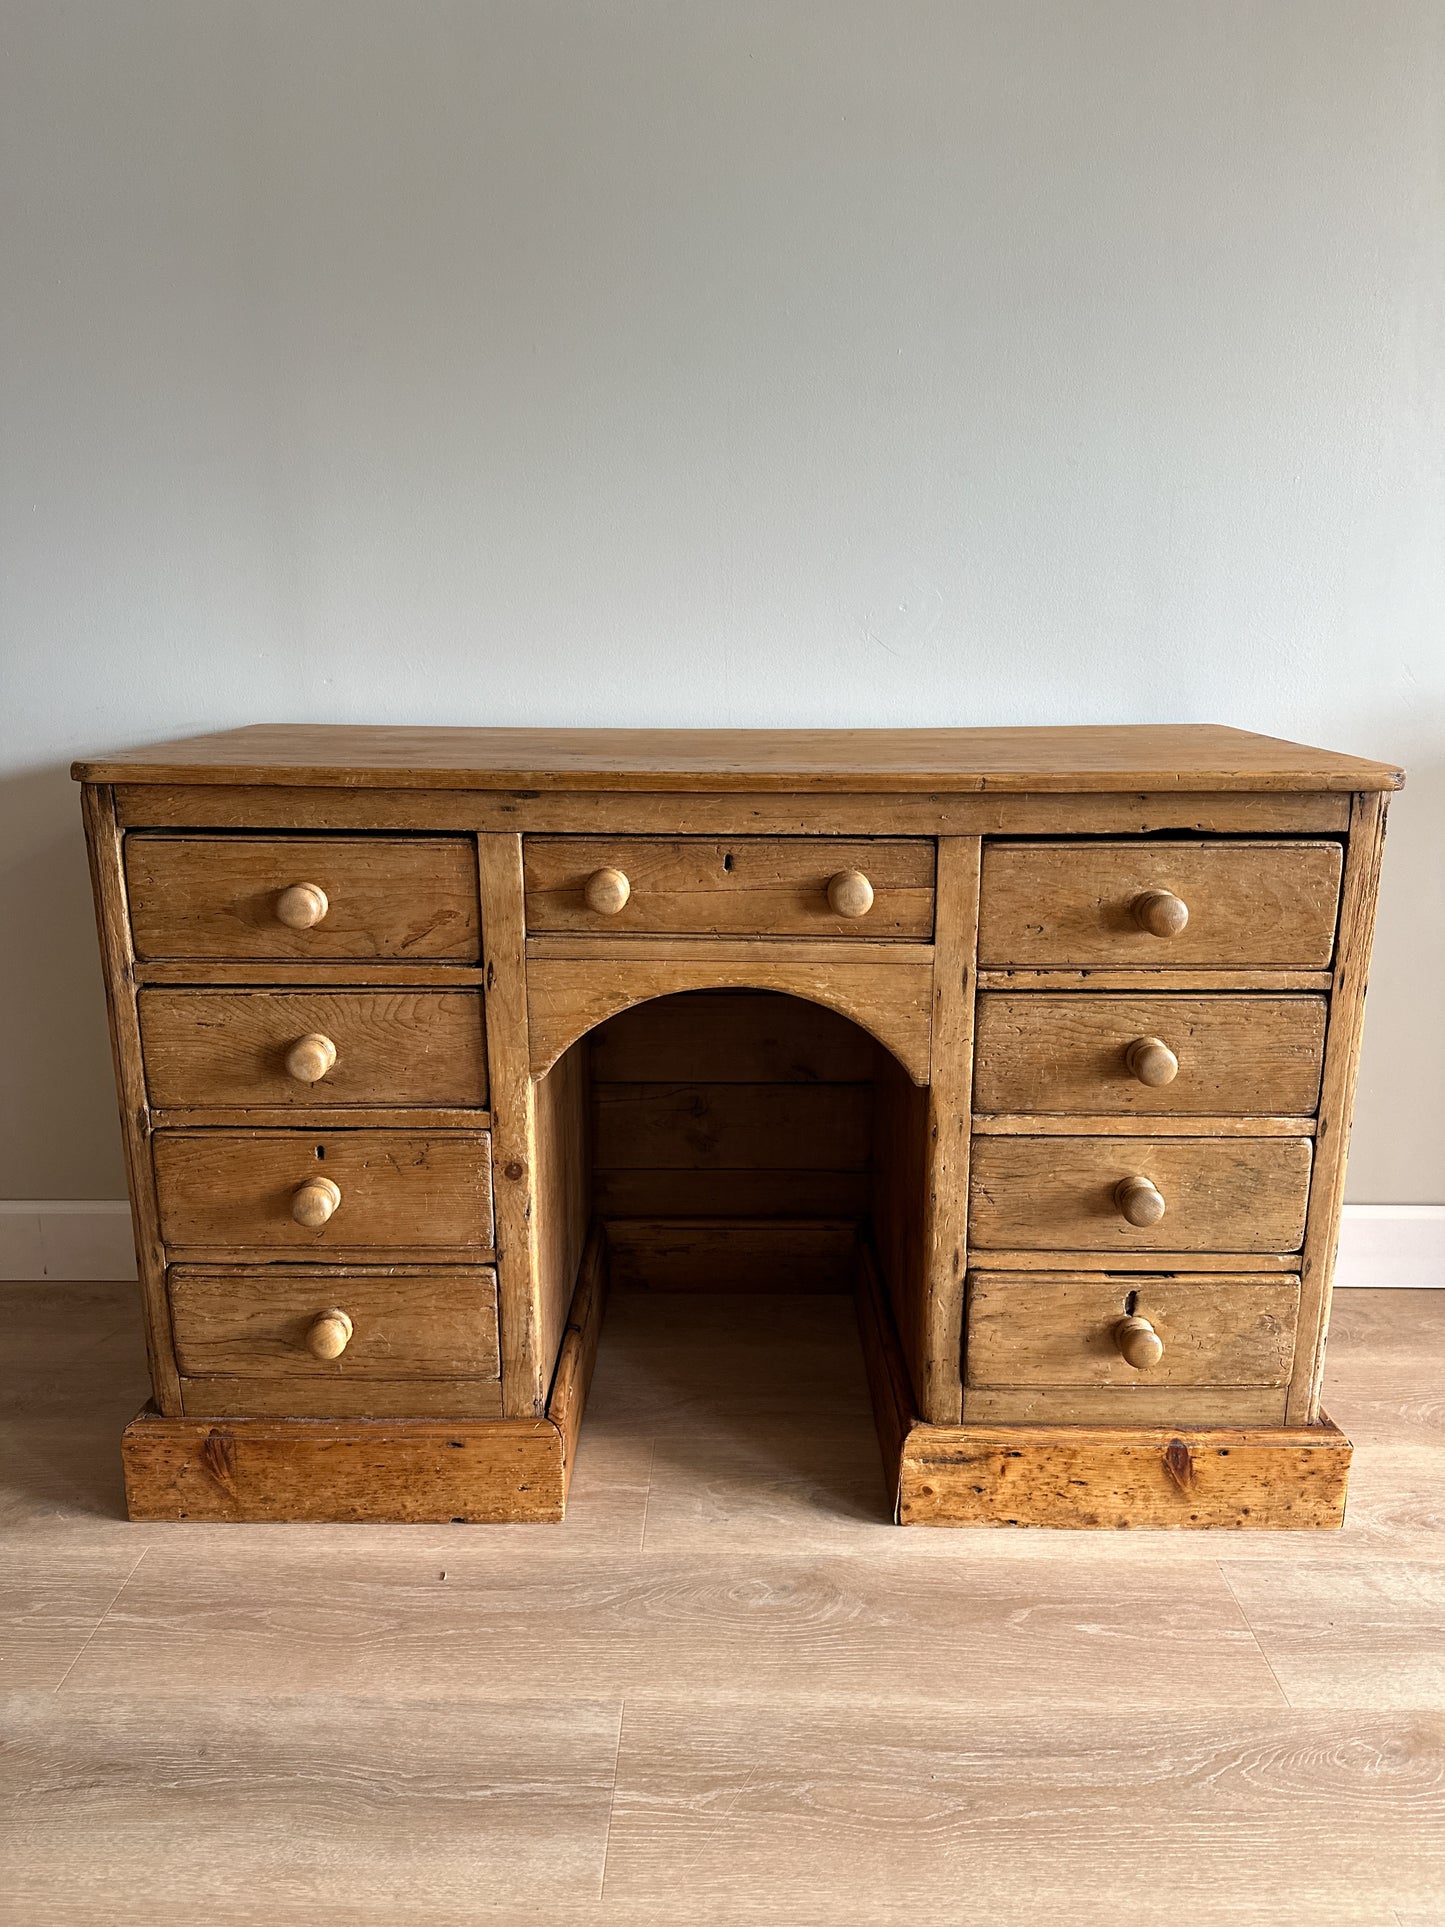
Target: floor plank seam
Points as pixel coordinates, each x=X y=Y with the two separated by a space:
x=612 y=1800
x=1221 y=1568
x=102 y=1619
x=647 y=1502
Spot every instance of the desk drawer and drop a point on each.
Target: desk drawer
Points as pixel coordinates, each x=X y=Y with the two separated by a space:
x=1255 y=905
x=268 y=1321
x=1069 y=1194
x=1046 y=1052
x=748 y=886
x=1052 y=1346
x=219 y=1048
x=244 y=1189
x=286 y=897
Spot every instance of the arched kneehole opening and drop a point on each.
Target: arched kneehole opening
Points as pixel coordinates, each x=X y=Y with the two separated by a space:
x=742 y=1150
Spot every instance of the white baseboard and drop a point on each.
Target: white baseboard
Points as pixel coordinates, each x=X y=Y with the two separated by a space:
x=89 y=1240
x=1401 y=1245
x=76 y=1239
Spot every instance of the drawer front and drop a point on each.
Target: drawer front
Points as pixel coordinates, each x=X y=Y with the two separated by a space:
x=1063 y=1194
x=239 y=1189
x=359 y=897
x=223 y=1048
x=750 y=886
x=1075 y=1052
x=261 y=1321
x=1049 y=1348
x=1255 y=905
x=1063 y=1328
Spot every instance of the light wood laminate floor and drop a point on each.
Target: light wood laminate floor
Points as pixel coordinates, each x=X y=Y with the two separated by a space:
x=726 y=1690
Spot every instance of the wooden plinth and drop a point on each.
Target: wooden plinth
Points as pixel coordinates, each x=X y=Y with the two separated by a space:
x=468 y=1471
x=1113 y=1477
x=1095 y=1477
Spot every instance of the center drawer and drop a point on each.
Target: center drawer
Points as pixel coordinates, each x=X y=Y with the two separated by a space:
x=1245 y=1194
x=1073 y=1051
x=758 y=886
x=306 y=1190
x=214 y=1048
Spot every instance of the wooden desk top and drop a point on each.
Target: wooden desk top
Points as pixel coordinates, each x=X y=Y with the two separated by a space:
x=1142 y=757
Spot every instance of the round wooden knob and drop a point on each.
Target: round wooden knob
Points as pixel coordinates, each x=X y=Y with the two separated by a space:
x=1139 y=1344
x=1161 y=913
x=1139 y=1201
x=1151 y=1061
x=310 y=1057
x=314 y=1202
x=303 y=905
x=850 y=894
x=330 y=1335
x=606 y=892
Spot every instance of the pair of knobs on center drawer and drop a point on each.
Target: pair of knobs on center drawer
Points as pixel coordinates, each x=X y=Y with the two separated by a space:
x=850 y=894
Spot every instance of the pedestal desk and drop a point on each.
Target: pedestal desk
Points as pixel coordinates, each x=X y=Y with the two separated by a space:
x=1042 y=1041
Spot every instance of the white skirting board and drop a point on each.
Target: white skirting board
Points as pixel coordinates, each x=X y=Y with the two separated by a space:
x=89 y=1239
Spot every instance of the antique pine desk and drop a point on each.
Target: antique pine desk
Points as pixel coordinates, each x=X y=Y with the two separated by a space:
x=1042 y=1041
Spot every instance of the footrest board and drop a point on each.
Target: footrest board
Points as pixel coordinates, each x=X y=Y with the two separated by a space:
x=1113 y=1478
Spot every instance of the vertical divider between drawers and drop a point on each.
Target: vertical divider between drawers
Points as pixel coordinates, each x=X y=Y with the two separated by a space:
x=514 y=1133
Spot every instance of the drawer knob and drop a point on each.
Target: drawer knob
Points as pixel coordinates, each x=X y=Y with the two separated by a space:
x=1151 y=1061
x=1161 y=913
x=1139 y=1344
x=1138 y=1201
x=850 y=894
x=314 y=1202
x=330 y=1335
x=311 y=1057
x=303 y=905
x=606 y=892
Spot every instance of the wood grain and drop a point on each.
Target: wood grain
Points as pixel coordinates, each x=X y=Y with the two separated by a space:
x=482 y=1471
x=393 y=1047
x=1058 y=1328
x=1066 y=1052
x=1160 y=757
x=948 y=1164
x=694 y=1126
x=1118 y=1124
x=1052 y=1332
x=1250 y=904
x=215 y=897
x=562 y=1148
x=731 y=1037
x=733 y=1254
x=892 y=1002
x=345 y=1398
x=599 y=812
x=1221 y=1194
x=577 y=1354
x=408 y=1188
x=748 y=886
x=251 y=1321
x=784 y=1193
x=1106 y=1478
x=1337 y=1098
x=117 y=955
x=525 y=1372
